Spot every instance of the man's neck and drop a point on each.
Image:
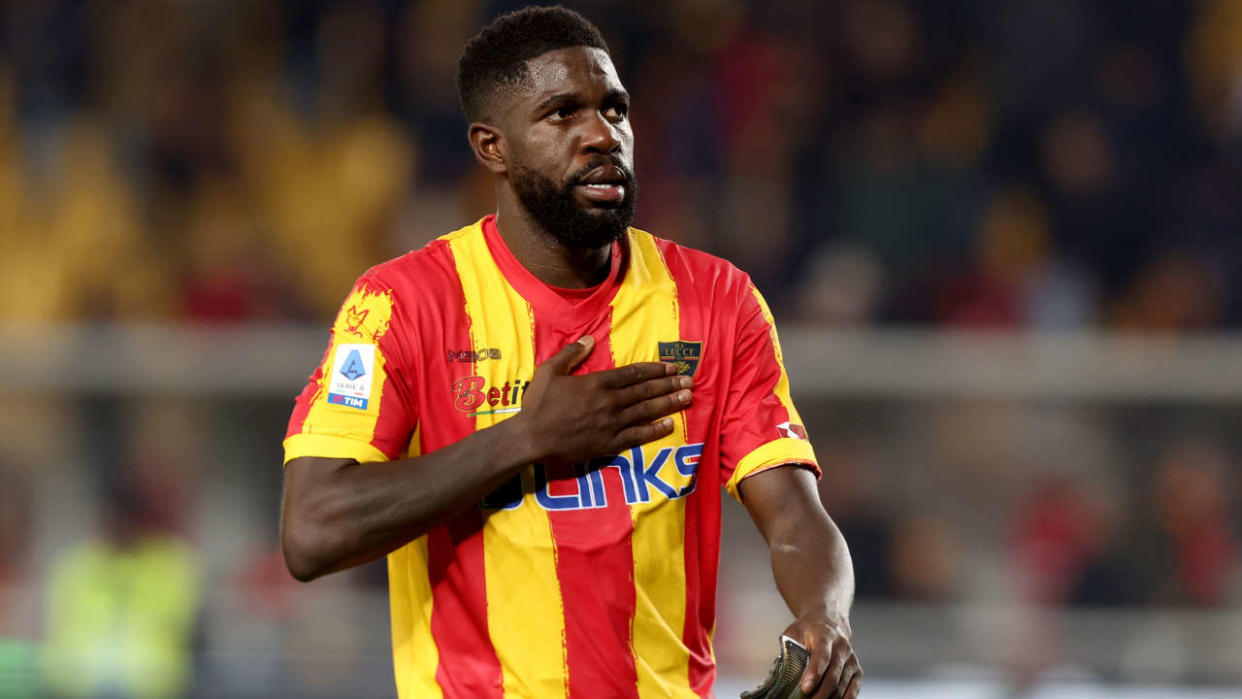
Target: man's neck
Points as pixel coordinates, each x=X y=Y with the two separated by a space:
x=546 y=257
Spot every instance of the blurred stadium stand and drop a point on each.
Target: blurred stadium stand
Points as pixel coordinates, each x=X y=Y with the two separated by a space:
x=1063 y=512
x=1003 y=239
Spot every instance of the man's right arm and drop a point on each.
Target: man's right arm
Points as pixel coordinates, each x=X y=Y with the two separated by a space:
x=338 y=513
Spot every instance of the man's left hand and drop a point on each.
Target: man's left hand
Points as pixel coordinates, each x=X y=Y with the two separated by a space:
x=833 y=671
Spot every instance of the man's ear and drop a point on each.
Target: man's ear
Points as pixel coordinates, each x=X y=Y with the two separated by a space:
x=489 y=147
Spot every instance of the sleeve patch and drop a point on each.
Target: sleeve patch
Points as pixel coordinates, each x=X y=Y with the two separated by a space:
x=365 y=315
x=353 y=368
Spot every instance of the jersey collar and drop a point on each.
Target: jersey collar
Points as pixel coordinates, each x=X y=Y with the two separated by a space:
x=582 y=303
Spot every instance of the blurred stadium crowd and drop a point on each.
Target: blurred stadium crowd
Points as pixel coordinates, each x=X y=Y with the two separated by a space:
x=985 y=163
x=994 y=164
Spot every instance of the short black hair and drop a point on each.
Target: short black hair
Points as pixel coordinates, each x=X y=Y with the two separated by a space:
x=496 y=57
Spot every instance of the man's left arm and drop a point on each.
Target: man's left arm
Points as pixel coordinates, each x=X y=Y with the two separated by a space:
x=813 y=572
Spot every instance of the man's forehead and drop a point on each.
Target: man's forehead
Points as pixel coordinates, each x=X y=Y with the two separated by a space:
x=565 y=69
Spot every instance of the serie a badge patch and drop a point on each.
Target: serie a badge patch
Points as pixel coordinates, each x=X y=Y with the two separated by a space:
x=352 y=371
x=685 y=355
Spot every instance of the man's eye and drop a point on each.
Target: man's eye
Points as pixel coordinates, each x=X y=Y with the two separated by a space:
x=617 y=112
x=563 y=112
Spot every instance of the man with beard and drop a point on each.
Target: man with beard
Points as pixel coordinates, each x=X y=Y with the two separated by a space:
x=532 y=417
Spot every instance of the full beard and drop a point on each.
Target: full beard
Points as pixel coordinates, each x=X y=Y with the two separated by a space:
x=556 y=209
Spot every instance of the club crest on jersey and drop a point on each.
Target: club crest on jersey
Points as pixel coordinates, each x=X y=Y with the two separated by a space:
x=352 y=371
x=684 y=355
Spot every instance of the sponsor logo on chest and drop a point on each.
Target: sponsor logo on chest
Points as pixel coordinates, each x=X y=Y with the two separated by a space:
x=475 y=395
x=646 y=475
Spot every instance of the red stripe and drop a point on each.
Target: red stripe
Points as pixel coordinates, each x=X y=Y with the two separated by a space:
x=302 y=405
x=702 y=526
x=702 y=554
x=594 y=557
x=394 y=424
x=755 y=376
x=468 y=665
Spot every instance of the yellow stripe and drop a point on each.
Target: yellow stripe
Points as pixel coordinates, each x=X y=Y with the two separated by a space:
x=415 y=655
x=363 y=319
x=525 y=613
x=331 y=446
x=645 y=312
x=785 y=450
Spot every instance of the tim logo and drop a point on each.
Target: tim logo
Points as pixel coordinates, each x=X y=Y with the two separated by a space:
x=669 y=474
x=684 y=355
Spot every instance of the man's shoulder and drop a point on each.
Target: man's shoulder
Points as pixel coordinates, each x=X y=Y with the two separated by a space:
x=425 y=272
x=703 y=269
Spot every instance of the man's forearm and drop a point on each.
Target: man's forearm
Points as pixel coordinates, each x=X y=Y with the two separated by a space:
x=810 y=561
x=812 y=568
x=339 y=513
x=813 y=572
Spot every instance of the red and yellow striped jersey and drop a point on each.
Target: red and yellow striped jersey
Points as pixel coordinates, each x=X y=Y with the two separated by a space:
x=596 y=581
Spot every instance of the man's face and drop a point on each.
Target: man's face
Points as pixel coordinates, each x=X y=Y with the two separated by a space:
x=571 y=147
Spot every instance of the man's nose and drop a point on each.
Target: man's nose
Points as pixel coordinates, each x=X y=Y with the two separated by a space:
x=601 y=135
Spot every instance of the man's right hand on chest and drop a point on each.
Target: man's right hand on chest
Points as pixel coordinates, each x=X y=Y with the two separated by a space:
x=566 y=419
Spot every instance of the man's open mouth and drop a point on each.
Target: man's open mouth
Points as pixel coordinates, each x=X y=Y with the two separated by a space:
x=603 y=192
x=605 y=184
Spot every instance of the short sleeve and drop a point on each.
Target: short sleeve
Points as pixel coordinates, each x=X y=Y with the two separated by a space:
x=358 y=403
x=760 y=427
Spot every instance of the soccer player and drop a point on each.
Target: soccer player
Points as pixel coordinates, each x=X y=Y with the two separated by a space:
x=532 y=416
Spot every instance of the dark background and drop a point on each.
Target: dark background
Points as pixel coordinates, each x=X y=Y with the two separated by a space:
x=1031 y=187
